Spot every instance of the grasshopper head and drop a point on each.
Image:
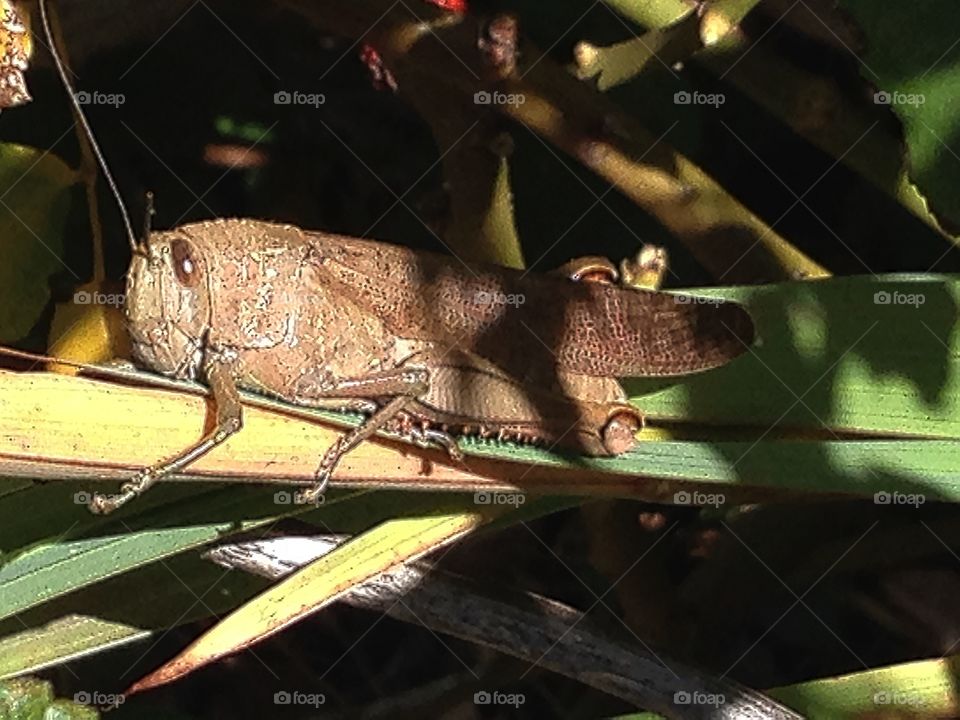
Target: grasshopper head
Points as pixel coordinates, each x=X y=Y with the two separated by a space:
x=168 y=304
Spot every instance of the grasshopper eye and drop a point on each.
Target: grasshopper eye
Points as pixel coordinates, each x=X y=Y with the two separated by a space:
x=184 y=266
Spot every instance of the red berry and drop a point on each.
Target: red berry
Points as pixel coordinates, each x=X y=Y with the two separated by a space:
x=457 y=6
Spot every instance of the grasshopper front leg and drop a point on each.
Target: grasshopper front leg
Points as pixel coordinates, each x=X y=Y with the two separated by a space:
x=229 y=421
x=404 y=385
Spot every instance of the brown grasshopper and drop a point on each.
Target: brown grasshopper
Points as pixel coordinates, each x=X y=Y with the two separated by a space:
x=420 y=343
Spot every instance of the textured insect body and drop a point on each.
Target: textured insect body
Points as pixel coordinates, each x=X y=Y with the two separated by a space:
x=16 y=46
x=423 y=344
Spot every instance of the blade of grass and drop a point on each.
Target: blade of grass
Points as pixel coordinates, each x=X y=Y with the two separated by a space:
x=317 y=585
x=927 y=687
x=64 y=640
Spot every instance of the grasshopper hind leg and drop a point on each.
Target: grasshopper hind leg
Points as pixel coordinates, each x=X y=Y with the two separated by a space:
x=644 y=271
x=346 y=443
x=619 y=434
x=385 y=418
x=403 y=385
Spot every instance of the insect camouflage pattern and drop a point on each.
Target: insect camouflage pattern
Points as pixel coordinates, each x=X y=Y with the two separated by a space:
x=415 y=340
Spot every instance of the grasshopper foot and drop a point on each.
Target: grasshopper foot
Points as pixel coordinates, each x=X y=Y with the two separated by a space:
x=101 y=504
x=313 y=495
x=425 y=437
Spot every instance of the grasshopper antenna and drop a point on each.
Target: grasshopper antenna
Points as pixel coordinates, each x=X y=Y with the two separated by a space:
x=82 y=119
x=148 y=219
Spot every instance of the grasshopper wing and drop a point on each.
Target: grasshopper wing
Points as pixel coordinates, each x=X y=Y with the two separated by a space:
x=526 y=322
